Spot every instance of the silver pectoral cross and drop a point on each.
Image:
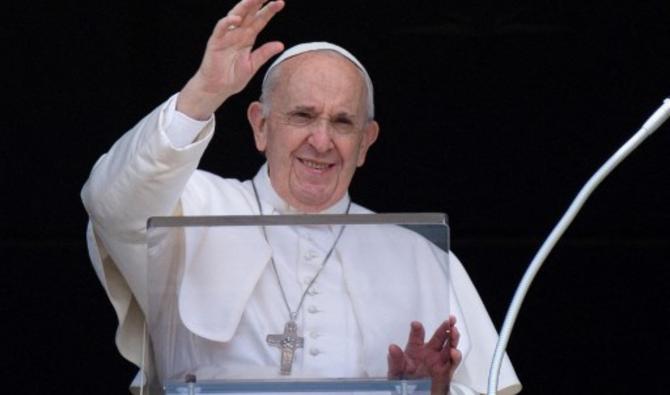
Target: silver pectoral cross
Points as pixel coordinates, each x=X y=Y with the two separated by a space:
x=287 y=342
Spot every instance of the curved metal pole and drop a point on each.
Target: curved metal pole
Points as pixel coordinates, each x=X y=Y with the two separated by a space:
x=647 y=129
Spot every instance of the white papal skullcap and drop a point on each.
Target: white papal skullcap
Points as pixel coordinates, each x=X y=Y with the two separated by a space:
x=323 y=46
x=315 y=46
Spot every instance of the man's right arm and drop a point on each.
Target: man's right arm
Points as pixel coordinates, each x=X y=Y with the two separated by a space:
x=144 y=173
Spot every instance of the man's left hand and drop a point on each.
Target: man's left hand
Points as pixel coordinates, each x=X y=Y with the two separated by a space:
x=437 y=359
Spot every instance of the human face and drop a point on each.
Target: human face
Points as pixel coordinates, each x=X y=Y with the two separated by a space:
x=317 y=132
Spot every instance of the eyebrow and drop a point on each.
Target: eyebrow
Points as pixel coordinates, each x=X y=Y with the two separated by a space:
x=312 y=109
x=344 y=114
x=299 y=108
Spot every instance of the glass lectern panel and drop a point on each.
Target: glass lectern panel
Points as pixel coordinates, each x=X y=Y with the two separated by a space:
x=298 y=303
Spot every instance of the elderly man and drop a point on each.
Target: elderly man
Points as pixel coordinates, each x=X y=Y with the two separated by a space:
x=315 y=124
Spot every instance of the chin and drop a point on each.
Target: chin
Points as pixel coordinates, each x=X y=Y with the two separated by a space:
x=314 y=204
x=315 y=201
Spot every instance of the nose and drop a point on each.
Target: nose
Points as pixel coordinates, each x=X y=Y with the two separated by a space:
x=320 y=136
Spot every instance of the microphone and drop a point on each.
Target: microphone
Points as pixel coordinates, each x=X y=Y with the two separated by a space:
x=653 y=123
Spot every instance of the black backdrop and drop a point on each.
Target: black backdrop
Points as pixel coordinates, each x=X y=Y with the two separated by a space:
x=493 y=112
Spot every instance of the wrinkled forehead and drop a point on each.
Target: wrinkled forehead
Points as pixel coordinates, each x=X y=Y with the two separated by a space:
x=320 y=77
x=276 y=75
x=324 y=64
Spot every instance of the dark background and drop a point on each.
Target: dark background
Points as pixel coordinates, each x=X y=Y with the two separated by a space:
x=493 y=112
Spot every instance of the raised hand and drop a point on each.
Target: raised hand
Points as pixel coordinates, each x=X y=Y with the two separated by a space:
x=437 y=359
x=230 y=60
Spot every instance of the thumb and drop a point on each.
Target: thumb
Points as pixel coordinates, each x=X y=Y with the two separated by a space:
x=263 y=53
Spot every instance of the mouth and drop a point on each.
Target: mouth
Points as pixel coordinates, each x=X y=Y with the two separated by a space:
x=316 y=165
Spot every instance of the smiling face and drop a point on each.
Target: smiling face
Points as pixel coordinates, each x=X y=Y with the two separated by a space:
x=316 y=132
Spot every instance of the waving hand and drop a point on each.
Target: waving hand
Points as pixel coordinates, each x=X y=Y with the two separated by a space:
x=230 y=60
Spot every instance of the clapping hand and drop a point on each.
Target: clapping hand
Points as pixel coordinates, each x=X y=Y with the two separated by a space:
x=437 y=359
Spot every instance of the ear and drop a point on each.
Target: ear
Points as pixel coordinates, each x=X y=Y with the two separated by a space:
x=257 y=122
x=370 y=133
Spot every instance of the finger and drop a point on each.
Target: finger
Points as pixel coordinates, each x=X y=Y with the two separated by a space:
x=416 y=337
x=452 y=320
x=456 y=358
x=455 y=337
x=263 y=16
x=440 y=336
x=246 y=7
x=263 y=53
x=445 y=355
x=451 y=356
x=452 y=345
x=410 y=367
x=224 y=25
x=253 y=11
x=396 y=362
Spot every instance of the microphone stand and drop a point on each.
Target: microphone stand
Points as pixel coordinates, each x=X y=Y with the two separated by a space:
x=656 y=120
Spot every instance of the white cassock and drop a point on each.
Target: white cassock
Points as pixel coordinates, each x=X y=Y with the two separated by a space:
x=226 y=299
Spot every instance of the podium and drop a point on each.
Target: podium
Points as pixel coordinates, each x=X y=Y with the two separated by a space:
x=222 y=291
x=330 y=386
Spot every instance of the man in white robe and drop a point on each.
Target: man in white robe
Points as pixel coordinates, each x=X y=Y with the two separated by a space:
x=315 y=124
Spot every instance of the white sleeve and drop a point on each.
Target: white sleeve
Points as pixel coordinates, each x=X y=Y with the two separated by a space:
x=181 y=129
x=141 y=176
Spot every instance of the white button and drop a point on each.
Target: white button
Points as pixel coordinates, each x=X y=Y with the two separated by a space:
x=314 y=334
x=310 y=255
x=312 y=309
x=313 y=291
x=307 y=280
x=314 y=351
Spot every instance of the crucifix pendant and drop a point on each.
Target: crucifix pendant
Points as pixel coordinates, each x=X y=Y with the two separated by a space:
x=287 y=342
